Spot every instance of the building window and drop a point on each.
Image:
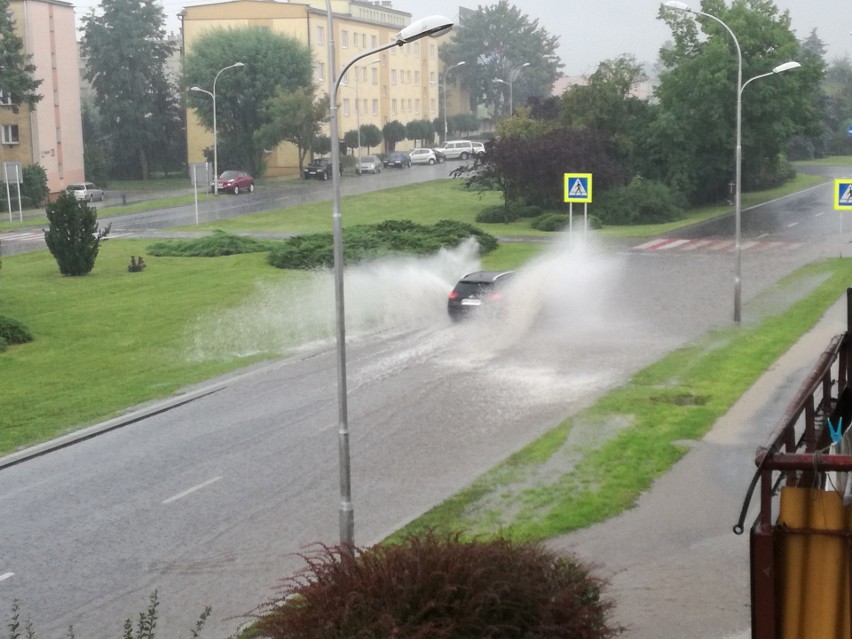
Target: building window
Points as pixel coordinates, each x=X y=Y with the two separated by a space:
x=320 y=35
x=320 y=70
x=432 y=51
x=375 y=78
x=393 y=106
x=393 y=77
x=432 y=105
x=10 y=134
x=344 y=39
x=374 y=42
x=417 y=78
x=5 y=98
x=346 y=107
x=417 y=106
x=431 y=77
x=375 y=106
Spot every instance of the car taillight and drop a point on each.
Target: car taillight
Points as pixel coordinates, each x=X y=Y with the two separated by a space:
x=493 y=296
x=453 y=295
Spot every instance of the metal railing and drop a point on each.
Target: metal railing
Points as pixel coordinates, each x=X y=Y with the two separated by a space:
x=797 y=455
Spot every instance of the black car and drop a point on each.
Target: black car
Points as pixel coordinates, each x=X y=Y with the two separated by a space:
x=475 y=291
x=319 y=168
x=398 y=159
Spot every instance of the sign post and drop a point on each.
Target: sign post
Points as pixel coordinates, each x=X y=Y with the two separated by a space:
x=13 y=170
x=199 y=173
x=578 y=188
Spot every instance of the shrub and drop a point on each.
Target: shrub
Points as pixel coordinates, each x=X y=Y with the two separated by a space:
x=215 y=245
x=550 y=222
x=641 y=202
x=13 y=332
x=440 y=588
x=3 y=344
x=497 y=214
x=73 y=236
x=363 y=242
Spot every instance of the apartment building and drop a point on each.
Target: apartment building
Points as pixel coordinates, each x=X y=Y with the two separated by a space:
x=52 y=134
x=398 y=84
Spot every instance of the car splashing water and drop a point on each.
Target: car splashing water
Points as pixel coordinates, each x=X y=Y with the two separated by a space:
x=396 y=293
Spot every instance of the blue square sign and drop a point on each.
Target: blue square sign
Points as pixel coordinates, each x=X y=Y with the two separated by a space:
x=578 y=187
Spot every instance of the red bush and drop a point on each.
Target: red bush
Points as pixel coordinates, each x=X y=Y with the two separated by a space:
x=439 y=588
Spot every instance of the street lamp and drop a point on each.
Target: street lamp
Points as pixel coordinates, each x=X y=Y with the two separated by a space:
x=513 y=75
x=212 y=94
x=680 y=6
x=431 y=26
x=444 y=85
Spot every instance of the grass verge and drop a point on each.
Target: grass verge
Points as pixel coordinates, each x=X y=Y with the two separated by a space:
x=555 y=485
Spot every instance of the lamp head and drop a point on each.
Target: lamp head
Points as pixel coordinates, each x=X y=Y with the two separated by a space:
x=678 y=6
x=786 y=66
x=432 y=26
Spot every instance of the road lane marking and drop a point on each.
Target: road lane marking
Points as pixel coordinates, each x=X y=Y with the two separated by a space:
x=189 y=491
x=792 y=224
x=6 y=575
x=820 y=214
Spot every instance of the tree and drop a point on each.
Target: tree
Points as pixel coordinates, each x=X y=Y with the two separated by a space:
x=529 y=168
x=16 y=70
x=125 y=51
x=273 y=63
x=371 y=136
x=494 y=42
x=607 y=104
x=294 y=116
x=34 y=183
x=73 y=237
x=393 y=132
x=420 y=131
x=692 y=139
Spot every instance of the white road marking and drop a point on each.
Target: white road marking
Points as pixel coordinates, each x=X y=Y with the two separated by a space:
x=792 y=224
x=6 y=575
x=820 y=214
x=189 y=491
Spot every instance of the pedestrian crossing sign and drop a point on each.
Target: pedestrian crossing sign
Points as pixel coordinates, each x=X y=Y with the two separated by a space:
x=578 y=187
x=843 y=194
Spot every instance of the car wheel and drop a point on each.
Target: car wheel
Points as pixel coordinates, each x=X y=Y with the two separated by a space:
x=431 y=161
x=325 y=176
x=251 y=188
x=91 y=198
x=236 y=190
x=464 y=155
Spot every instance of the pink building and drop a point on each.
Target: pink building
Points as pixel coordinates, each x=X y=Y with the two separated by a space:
x=52 y=134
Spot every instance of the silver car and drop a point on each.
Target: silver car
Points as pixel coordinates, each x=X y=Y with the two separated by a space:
x=85 y=191
x=368 y=164
x=422 y=156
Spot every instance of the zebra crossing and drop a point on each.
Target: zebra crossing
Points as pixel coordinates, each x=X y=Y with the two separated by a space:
x=712 y=245
x=36 y=236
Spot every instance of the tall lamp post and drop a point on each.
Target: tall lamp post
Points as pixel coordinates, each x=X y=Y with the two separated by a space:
x=431 y=26
x=680 y=6
x=212 y=94
x=513 y=75
x=444 y=85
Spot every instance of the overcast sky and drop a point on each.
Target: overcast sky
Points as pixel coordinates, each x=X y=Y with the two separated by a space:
x=595 y=30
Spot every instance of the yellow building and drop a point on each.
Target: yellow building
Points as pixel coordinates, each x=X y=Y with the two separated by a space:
x=397 y=84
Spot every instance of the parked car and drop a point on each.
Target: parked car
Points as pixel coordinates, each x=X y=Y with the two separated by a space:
x=234 y=182
x=319 y=168
x=399 y=159
x=439 y=155
x=457 y=149
x=475 y=291
x=85 y=191
x=368 y=164
x=422 y=156
x=478 y=149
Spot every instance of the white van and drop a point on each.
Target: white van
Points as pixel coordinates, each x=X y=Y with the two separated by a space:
x=457 y=149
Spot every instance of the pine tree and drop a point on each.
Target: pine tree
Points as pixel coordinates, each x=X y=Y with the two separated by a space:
x=16 y=70
x=73 y=236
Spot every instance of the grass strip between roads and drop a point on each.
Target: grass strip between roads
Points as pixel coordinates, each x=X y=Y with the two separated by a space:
x=595 y=464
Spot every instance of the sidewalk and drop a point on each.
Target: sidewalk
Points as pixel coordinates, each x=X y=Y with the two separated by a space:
x=675 y=568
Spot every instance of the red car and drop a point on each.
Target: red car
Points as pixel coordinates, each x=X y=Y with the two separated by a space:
x=234 y=182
